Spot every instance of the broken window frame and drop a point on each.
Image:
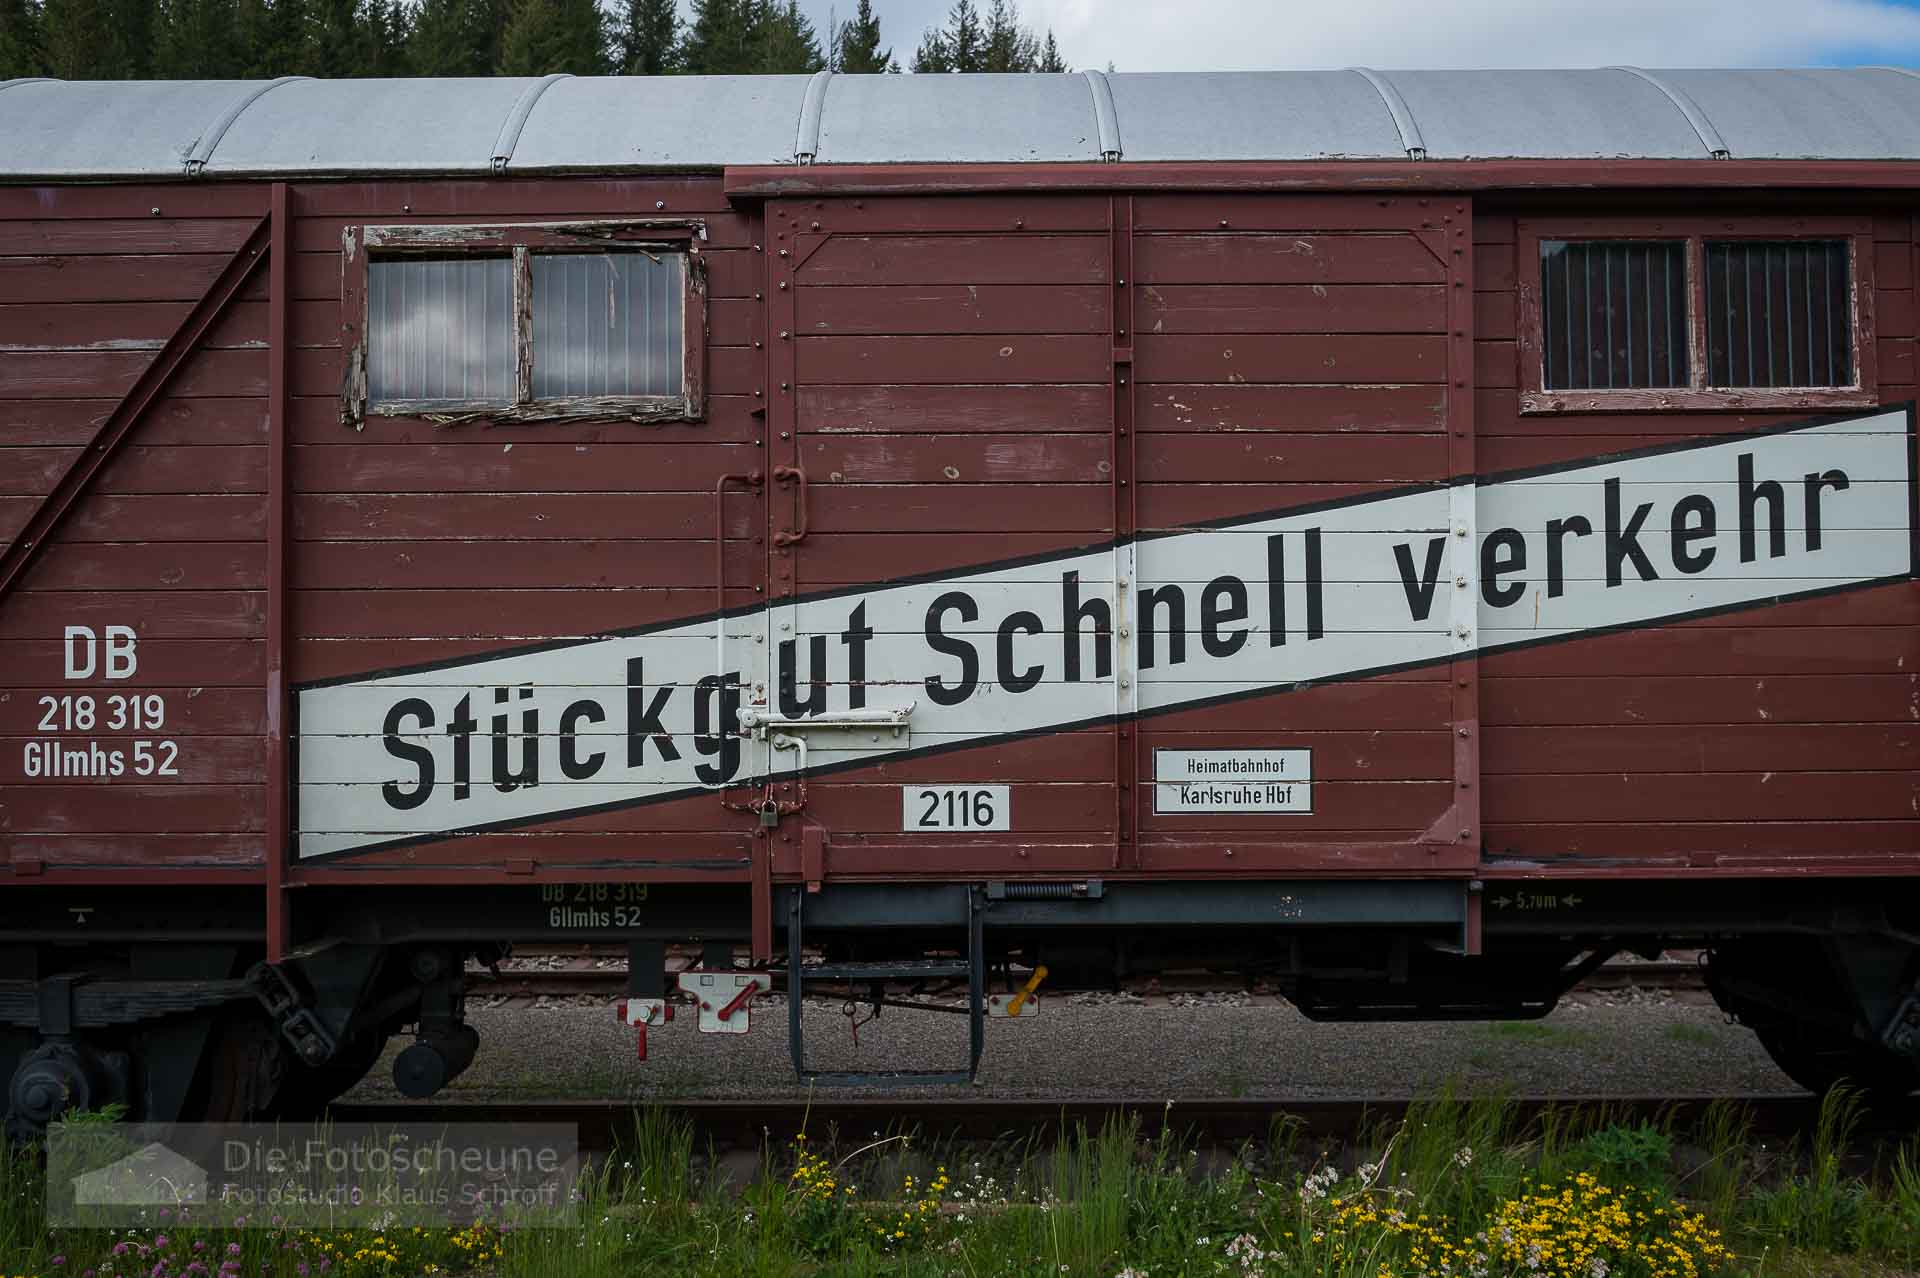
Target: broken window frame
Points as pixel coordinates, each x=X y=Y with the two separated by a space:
x=1699 y=393
x=363 y=244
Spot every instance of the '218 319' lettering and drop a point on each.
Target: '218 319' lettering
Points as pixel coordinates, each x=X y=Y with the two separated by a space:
x=85 y=655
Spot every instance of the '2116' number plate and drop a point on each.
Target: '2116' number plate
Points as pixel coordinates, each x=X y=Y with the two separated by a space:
x=955 y=807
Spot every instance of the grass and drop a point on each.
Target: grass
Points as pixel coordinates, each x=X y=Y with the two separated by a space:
x=1529 y=1032
x=1692 y=1035
x=1459 y=1186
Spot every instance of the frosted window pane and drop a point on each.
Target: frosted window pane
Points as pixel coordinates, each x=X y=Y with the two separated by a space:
x=440 y=330
x=607 y=324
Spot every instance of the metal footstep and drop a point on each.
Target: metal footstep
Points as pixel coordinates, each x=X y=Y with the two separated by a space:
x=972 y=965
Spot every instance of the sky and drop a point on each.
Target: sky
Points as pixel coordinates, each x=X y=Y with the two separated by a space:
x=1244 y=35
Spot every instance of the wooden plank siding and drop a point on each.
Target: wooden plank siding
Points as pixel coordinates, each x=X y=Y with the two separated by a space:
x=84 y=307
x=434 y=537
x=1775 y=735
x=950 y=366
x=1291 y=351
x=951 y=374
x=412 y=541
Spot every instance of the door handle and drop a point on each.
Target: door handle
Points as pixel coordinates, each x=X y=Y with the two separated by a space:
x=795 y=475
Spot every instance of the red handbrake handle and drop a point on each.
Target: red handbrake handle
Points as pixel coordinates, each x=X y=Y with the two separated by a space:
x=739 y=1000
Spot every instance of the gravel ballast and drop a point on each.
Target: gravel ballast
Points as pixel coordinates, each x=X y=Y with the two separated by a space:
x=1192 y=1047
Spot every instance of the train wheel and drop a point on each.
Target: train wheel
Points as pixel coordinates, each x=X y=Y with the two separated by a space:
x=307 y=1090
x=242 y=1070
x=1821 y=1064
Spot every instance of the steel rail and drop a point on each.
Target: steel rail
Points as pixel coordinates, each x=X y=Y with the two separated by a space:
x=576 y=980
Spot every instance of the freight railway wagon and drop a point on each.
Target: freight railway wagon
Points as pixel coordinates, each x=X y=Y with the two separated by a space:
x=1406 y=537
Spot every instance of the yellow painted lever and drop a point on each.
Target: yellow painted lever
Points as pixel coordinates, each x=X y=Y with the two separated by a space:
x=1019 y=1000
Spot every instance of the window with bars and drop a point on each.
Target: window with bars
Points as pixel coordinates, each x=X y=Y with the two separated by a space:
x=526 y=323
x=1659 y=314
x=1779 y=313
x=1614 y=313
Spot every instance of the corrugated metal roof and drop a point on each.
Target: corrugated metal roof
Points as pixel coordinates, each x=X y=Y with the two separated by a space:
x=90 y=129
x=1250 y=115
x=1560 y=115
x=961 y=119
x=153 y=129
x=1868 y=114
x=369 y=126
x=695 y=121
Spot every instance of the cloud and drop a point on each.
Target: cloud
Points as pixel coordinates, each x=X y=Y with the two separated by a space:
x=1196 y=35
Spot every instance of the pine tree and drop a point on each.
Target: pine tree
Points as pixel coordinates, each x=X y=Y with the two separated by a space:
x=545 y=36
x=959 y=46
x=1051 y=63
x=20 y=51
x=857 y=50
x=649 y=37
x=720 y=38
x=97 y=39
x=456 y=37
x=72 y=33
x=442 y=43
x=932 y=57
x=271 y=38
x=195 y=40
x=337 y=47
x=134 y=22
x=786 y=41
x=1008 y=46
x=387 y=28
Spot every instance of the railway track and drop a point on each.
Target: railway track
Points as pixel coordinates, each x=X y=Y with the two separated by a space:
x=730 y=1123
x=601 y=972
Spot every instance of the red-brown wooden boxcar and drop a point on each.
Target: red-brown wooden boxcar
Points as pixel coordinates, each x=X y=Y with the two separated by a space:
x=1408 y=536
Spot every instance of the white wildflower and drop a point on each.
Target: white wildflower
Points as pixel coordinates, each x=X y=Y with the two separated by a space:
x=1316 y=1185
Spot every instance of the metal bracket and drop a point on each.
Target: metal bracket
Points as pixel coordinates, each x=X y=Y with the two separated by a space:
x=1683 y=101
x=638 y=1014
x=1902 y=1034
x=759 y=722
x=793 y=475
x=286 y=1005
x=1403 y=121
x=725 y=999
x=510 y=128
x=813 y=854
x=845 y=729
x=806 y=141
x=1023 y=1002
x=203 y=148
x=1105 y=118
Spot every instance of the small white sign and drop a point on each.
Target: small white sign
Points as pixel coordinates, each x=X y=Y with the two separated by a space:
x=1232 y=781
x=955 y=807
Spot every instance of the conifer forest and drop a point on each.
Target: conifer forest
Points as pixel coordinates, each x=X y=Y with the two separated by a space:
x=261 y=39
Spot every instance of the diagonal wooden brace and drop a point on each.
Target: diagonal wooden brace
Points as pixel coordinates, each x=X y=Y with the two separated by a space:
x=113 y=432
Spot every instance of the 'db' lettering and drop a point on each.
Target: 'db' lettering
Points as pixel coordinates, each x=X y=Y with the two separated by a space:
x=121 y=661
x=79 y=643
